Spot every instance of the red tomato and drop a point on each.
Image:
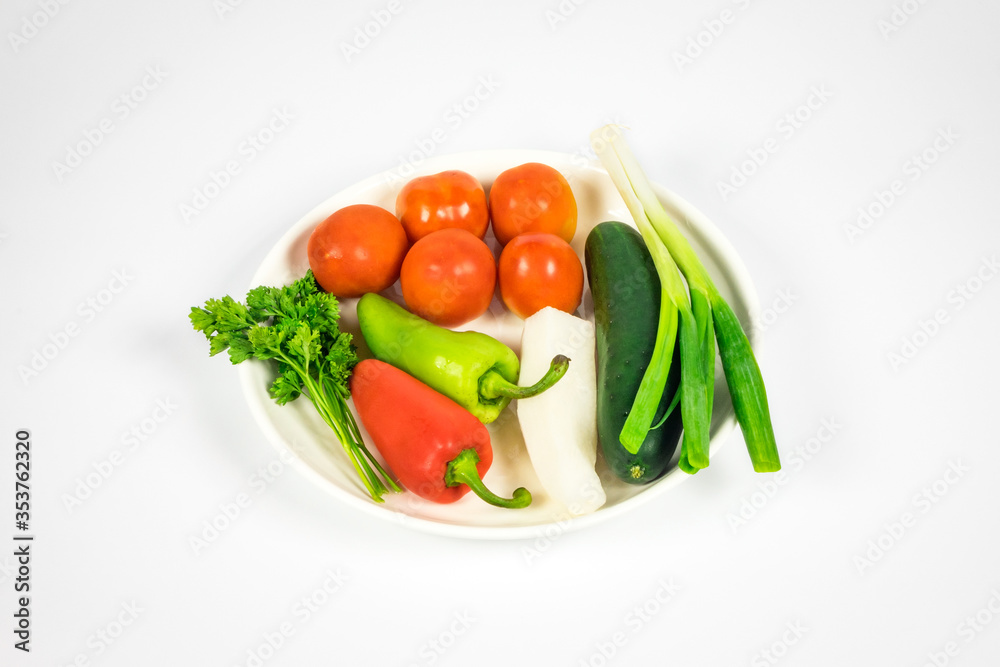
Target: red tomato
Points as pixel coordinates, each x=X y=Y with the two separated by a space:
x=358 y=249
x=451 y=199
x=448 y=277
x=532 y=197
x=539 y=270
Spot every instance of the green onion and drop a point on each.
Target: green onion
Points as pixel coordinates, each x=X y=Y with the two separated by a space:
x=703 y=318
x=676 y=321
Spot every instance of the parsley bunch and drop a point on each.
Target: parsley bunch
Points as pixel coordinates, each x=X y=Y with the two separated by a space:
x=297 y=326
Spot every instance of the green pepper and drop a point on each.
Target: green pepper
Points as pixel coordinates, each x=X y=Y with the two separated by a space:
x=475 y=370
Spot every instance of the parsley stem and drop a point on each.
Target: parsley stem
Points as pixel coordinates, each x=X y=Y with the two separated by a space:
x=335 y=413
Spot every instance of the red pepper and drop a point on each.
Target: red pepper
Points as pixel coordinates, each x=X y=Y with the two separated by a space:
x=437 y=448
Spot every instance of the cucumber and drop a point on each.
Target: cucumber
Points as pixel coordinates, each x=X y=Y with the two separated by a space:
x=626 y=292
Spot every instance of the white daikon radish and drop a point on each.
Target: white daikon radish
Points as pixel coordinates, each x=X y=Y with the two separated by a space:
x=559 y=425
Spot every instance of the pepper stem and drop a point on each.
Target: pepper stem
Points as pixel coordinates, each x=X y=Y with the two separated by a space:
x=492 y=385
x=462 y=470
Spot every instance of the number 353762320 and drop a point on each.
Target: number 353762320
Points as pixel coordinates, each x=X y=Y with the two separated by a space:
x=22 y=475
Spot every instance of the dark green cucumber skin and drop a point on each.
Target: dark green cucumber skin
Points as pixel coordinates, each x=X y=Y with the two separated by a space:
x=626 y=292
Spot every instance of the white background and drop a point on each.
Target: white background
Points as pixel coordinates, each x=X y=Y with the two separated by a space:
x=868 y=552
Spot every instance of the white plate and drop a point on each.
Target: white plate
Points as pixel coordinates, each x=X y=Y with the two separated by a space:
x=302 y=437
